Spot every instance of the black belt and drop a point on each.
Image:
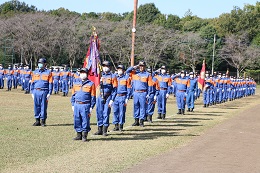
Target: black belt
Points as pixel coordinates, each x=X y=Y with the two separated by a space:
x=163 y=88
x=82 y=102
x=41 y=89
x=121 y=94
x=140 y=91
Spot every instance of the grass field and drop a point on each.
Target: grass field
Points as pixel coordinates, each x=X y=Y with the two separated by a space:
x=25 y=148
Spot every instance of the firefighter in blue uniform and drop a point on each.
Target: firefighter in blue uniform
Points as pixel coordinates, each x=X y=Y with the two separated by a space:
x=65 y=79
x=207 y=90
x=151 y=101
x=192 y=92
x=27 y=76
x=165 y=83
x=9 y=75
x=41 y=89
x=122 y=97
x=16 y=76
x=56 y=80
x=2 y=76
x=182 y=83
x=83 y=101
x=106 y=98
x=142 y=87
x=76 y=77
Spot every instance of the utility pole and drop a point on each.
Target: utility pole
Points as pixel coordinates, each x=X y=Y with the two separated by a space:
x=213 y=57
x=133 y=33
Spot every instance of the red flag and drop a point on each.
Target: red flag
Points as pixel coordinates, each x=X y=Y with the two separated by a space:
x=92 y=61
x=201 y=79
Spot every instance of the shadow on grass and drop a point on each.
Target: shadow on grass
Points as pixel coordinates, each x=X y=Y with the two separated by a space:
x=173 y=120
x=57 y=125
x=151 y=129
x=141 y=136
x=208 y=114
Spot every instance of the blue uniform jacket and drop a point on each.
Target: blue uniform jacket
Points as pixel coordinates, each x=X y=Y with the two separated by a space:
x=42 y=79
x=141 y=81
x=124 y=85
x=109 y=85
x=84 y=92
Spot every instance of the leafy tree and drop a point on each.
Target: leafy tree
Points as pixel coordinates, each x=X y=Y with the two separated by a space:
x=147 y=13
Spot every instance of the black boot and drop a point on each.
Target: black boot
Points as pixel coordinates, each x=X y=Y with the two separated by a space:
x=43 y=122
x=183 y=111
x=159 y=116
x=188 y=109
x=205 y=105
x=79 y=136
x=99 y=132
x=116 y=128
x=163 y=116
x=84 y=136
x=37 y=122
x=179 y=112
x=141 y=123
x=105 y=130
x=192 y=109
x=150 y=119
x=136 y=123
x=145 y=118
x=121 y=126
x=64 y=94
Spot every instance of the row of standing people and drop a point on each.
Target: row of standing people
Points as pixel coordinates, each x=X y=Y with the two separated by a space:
x=147 y=89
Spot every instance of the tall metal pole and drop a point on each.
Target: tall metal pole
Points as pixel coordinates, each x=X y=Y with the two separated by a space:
x=213 y=57
x=133 y=33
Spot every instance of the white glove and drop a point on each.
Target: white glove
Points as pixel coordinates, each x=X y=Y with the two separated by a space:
x=23 y=80
x=126 y=100
x=167 y=95
x=72 y=108
x=186 y=94
x=59 y=81
x=69 y=82
x=110 y=103
x=217 y=90
x=30 y=81
x=32 y=96
x=222 y=90
x=147 y=97
x=90 y=110
x=195 y=94
x=48 y=96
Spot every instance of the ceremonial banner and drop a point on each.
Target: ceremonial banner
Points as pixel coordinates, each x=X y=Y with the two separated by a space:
x=201 y=79
x=92 y=61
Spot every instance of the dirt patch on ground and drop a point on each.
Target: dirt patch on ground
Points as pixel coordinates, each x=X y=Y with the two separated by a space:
x=233 y=146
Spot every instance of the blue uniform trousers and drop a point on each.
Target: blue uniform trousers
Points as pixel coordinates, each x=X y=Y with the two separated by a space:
x=206 y=96
x=40 y=103
x=103 y=111
x=27 y=85
x=56 y=85
x=190 y=99
x=1 y=82
x=119 y=108
x=15 y=82
x=150 y=105
x=65 y=86
x=215 y=95
x=220 y=95
x=211 y=96
x=9 y=82
x=161 y=102
x=81 y=117
x=139 y=105
x=181 y=99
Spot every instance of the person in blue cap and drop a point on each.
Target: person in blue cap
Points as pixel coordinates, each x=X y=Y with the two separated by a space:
x=41 y=89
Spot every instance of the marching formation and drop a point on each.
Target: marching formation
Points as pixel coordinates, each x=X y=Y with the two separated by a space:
x=147 y=89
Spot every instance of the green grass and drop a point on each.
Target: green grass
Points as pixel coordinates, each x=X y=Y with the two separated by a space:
x=25 y=148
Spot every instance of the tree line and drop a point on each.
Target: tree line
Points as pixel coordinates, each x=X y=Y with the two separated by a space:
x=180 y=43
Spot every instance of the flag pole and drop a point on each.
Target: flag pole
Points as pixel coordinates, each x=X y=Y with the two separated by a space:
x=133 y=33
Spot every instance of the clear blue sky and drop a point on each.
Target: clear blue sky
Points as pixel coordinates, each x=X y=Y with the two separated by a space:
x=201 y=8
